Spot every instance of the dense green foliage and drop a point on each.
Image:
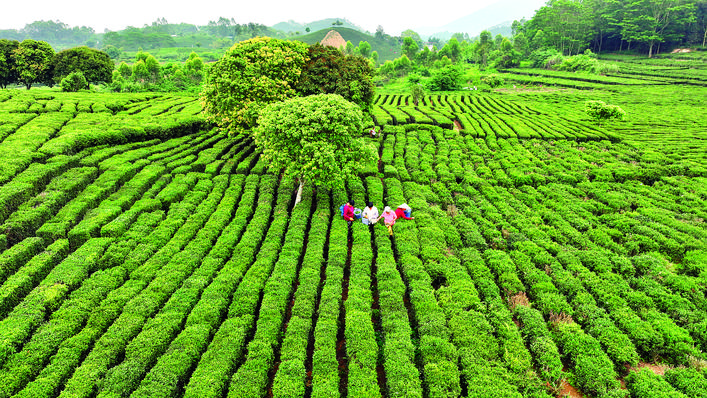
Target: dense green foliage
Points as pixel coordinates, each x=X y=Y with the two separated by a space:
x=33 y=63
x=73 y=82
x=144 y=253
x=8 y=68
x=572 y=26
x=314 y=139
x=329 y=71
x=252 y=74
x=96 y=66
x=600 y=110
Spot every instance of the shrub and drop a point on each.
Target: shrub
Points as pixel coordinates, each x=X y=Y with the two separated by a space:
x=600 y=110
x=447 y=78
x=74 y=82
x=493 y=80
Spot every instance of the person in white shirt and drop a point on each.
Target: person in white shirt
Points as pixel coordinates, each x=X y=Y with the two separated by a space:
x=370 y=214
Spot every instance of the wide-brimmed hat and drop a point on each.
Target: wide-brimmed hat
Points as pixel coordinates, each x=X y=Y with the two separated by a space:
x=387 y=209
x=405 y=206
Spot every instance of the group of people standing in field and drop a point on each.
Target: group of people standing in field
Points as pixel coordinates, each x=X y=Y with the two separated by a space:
x=370 y=215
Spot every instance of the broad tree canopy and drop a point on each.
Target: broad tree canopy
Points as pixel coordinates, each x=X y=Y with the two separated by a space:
x=33 y=60
x=252 y=74
x=95 y=65
x=329 y=71
x=314 y=139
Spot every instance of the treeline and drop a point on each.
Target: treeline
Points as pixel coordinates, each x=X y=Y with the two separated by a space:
x=56 y=33
x=565 y=35
x=649 y=26
x=216 y=34
x=33 y=62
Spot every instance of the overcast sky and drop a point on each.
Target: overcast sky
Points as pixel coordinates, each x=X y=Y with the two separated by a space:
x=394 y=16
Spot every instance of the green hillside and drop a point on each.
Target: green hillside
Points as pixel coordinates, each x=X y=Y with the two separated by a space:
x=292 y=26
x=387 y=48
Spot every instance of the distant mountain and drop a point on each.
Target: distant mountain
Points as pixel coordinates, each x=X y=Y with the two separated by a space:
x=292 y=26
x=494 y=15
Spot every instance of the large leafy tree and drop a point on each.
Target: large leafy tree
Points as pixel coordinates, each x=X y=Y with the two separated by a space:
x=96 y=66
x=452 y=49
x=252 y=74
x=566 y=23
x=315 y=139
x=328 y=71
x=409 y=47
x=482 y=48
x=650 y=21
x=33 y=60
x=8 y=69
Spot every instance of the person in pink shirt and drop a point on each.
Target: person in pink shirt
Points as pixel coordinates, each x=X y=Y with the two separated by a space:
x=389 y=218
x=349 y=212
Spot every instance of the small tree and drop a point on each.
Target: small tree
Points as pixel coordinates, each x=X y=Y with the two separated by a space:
x=417 y=92
x=75 y=81
x=446 y=79
x=493 y=80
x=600 y=111
x=315 y=139
x=328 y=71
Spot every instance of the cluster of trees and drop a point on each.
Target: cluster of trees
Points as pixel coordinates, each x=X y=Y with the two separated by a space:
x=558 y=30
x=159 y=34
x=440 y=70
x=571 y=26
x=30 y=62
x=57 y=33
x=33 y=62
x=303 y=104
x=147 y=74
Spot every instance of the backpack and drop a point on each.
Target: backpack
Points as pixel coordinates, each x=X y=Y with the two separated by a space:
x=341 y=209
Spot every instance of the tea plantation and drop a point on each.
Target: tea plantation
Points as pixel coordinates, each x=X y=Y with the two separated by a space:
x=144 y=253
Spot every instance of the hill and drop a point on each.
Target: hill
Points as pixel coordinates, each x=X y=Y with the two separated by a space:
x=387 y=48
x=292 y=26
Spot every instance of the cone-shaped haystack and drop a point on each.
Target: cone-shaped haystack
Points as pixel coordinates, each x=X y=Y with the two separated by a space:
x=334 y=39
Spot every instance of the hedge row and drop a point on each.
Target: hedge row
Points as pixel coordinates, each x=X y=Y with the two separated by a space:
x=181 y=283
x=251 y=379
x=245 y=278
x=121 y=315
x=402 y=376
x=291 y=377
x=326 y=378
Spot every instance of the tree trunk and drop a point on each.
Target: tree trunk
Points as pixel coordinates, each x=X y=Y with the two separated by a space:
x=298 y=198
x=704 y=38
x=650 y=50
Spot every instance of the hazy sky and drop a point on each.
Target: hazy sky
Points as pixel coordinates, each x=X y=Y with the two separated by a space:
x=394 y=16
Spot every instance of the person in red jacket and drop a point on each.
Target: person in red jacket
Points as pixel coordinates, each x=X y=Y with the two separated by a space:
x=403 y=211
x=349 y=212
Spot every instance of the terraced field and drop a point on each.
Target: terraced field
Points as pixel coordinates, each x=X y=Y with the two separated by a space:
x=146 y=254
